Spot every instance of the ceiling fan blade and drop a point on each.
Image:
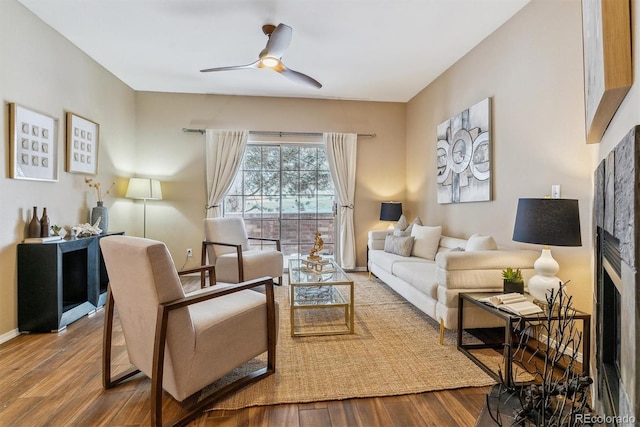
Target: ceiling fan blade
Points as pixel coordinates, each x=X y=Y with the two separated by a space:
x=297 y=76
x=233 y=67
x=279 y=41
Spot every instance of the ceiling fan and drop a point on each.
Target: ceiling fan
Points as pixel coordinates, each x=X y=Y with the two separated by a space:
x=270 y=57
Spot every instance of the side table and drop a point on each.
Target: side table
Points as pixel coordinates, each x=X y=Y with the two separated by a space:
x=510 y=320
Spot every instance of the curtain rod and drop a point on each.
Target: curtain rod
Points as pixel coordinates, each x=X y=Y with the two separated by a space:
x=281 y=133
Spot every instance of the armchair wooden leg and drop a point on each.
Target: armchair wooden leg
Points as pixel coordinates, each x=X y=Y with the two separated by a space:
x=107 y=381
x=441 y=331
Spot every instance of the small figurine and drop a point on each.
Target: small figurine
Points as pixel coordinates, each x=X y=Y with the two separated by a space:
x=317 y=247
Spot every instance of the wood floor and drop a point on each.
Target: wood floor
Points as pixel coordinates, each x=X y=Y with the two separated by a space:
x=55 y=380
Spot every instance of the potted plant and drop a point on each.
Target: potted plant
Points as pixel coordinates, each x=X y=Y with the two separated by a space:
x=512 y=280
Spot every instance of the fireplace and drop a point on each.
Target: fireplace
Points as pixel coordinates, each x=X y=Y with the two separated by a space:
x=617 y=292
x=609 y=319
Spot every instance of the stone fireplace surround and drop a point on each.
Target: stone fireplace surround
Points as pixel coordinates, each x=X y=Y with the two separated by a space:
x=617 y=292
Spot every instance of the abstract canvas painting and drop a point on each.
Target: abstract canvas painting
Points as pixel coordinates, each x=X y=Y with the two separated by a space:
x=608 y=72
x=464 y=156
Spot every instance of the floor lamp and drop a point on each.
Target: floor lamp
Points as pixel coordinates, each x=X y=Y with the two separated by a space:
x=145 y=189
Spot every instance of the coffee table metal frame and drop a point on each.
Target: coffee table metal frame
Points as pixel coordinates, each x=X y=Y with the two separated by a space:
x=511 y=320
x=303 y=294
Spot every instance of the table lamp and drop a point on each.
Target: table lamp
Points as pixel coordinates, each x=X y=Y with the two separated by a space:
x=548 y=222
x=145 y=189
x=390 y=211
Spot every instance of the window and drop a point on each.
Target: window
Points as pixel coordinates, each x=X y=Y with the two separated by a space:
x=285 y=191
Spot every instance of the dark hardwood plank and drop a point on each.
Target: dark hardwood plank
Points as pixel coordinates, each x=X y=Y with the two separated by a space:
x=403 y=412
x=343 y=413
x=315 y=417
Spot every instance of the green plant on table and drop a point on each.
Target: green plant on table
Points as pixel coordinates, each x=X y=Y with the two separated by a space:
x=512 y=275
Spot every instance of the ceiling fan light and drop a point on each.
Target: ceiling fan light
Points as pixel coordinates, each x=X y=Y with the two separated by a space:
x=270 y=61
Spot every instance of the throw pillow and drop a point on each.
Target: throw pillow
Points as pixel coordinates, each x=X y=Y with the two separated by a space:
x=407 y=230
x=427 y=240
x=398 y=245
x=481 y=243
x=402 y=223
x=416 y=221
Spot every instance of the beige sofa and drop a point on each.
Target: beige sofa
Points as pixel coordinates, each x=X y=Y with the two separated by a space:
x=433 y=285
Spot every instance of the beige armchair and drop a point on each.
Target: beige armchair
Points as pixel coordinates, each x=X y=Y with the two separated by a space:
x=227 y=246
x=182 y=342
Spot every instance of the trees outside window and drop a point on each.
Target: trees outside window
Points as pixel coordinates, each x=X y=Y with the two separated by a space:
x=285 y=191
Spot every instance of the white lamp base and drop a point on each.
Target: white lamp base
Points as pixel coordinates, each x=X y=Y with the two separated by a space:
x=541 y=285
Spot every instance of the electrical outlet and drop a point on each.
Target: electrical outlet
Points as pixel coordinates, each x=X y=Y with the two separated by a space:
x=189 y=253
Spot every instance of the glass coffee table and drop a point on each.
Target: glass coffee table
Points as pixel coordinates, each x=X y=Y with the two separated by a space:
x=310 y=289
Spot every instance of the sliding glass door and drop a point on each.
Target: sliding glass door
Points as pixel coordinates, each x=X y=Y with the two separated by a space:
x=285 y=191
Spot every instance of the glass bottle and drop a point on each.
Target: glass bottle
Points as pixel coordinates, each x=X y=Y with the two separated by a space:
x=34 y=225
x=44 y=223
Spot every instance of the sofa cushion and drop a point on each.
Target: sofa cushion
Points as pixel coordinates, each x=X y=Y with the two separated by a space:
x=481 y=243
x=427 y=240
x=398 y=245
x=386 y=260
x=421 y=276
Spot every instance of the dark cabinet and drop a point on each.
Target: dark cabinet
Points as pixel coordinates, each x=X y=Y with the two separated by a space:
x=59 y=282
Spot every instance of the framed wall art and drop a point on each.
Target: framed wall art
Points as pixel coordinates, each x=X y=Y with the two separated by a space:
x=82 y=145
x=608 y=74
x=464 y=156
x=34 y=144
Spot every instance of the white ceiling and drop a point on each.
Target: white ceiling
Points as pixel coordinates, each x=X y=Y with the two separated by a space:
x=378 y=50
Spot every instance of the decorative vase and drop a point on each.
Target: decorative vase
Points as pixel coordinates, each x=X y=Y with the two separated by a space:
x=44 y=224
x=34 y=225
x=101 y=213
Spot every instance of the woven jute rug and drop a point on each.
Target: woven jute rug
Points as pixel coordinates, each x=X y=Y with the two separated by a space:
x=395 y=350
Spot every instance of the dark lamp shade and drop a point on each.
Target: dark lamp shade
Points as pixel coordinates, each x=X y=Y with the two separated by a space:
x=552 y=222
x=390 y=211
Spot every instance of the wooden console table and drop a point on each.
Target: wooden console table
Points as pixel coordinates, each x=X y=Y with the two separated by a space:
x=59 y=282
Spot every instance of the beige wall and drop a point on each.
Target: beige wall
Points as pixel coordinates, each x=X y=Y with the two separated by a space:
x=176 y=158
x=531 y=68
x=44 y=72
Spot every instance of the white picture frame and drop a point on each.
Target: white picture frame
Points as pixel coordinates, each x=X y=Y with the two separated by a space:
x=34 y=144
x=82 y=145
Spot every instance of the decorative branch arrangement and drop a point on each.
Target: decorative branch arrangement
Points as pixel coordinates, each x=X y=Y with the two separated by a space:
x=547 y=349
x=94 y=184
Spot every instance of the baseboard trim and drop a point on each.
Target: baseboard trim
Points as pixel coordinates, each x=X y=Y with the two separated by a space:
x=9 y=336
x=567 y=351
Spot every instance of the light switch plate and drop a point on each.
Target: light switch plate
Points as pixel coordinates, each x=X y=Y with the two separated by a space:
x=555 y=191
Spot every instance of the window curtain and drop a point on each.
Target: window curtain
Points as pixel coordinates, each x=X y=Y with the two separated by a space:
x=341 y=152
x=223 y=150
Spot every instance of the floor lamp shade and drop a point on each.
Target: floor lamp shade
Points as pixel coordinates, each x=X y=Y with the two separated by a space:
x=548 y=222
x=145 y=189
x=390 y=211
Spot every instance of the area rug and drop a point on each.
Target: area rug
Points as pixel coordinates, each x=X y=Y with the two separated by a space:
x=395 y=350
